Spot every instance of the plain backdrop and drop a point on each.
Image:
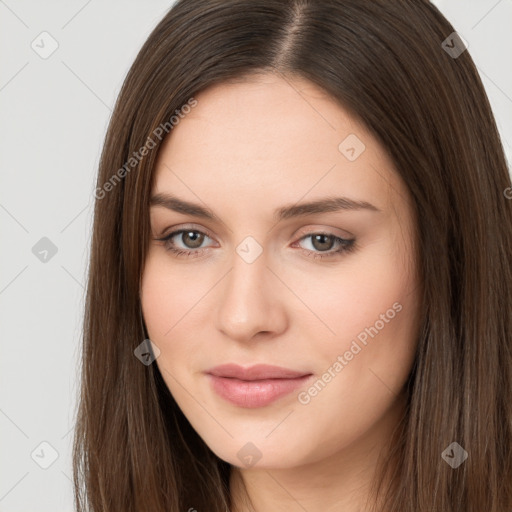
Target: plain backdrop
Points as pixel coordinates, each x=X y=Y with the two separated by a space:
x=54 y=111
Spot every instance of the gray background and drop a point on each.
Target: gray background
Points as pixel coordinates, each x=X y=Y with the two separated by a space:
x=54 y=115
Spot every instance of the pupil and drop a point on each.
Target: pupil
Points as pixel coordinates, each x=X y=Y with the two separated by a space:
x=322 y=239
x=193 y=234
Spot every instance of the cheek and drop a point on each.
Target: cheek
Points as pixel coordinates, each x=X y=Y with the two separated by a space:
x=167 y=294
x=362 y=369
x=370 y=305
x=172 y=300
x=351 y=297
x=157 y=300
x=162 y=306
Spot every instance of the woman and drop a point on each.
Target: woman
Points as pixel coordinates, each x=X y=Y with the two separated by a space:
x=299 y=293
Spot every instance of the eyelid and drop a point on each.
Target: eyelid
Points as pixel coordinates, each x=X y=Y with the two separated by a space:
x=329 y=230
x=185 y=227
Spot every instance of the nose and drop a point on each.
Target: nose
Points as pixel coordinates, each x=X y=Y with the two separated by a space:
x=251 y=301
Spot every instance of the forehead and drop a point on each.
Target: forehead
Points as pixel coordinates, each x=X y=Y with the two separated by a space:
x=263 y=117
x=273 y=140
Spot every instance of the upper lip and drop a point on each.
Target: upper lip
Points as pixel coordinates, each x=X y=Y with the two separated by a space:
x=256 y=372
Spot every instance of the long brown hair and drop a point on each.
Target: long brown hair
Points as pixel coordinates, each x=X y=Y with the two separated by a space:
x=384 y=61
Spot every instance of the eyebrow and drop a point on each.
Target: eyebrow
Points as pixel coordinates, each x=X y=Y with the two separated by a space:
x=328 y=204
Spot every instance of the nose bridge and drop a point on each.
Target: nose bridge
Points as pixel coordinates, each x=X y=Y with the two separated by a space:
x=248 y=302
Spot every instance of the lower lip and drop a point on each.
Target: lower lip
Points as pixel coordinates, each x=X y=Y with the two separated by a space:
x=255 y=393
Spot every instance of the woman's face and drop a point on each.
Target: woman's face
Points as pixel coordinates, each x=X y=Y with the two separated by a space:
x=327 y=291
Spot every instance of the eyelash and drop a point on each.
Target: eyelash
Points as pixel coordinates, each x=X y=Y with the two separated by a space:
x=346 y=245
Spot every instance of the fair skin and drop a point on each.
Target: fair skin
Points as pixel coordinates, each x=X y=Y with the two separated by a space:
x=245 y=150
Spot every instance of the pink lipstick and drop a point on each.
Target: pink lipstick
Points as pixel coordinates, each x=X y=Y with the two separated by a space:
x=256 y=386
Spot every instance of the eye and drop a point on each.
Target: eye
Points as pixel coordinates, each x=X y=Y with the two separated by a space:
x=193 y=239
x=324 y=242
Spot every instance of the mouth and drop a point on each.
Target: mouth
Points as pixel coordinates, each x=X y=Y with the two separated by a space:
x=256 y=386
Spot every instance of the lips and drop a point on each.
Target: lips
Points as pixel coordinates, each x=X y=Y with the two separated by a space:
x=257 y=372
x=255 y=386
